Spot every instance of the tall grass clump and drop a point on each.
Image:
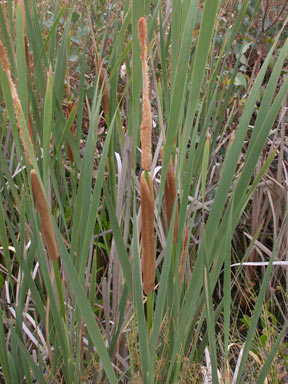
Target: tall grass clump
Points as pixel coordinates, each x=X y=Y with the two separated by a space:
x=151 y=138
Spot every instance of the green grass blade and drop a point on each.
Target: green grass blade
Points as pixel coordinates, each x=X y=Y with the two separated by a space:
x=3 y=353
x=21 y=62
x=227 y=288
x=47 y=123
x=269 y=360
x=86 y=312
x=122 y=252
x=6 y=40
x=256 y=314
x=25 y=354
x=210 y=326
x=51 y=31
x=138 y=299
x=137 y=12
x=178 y=91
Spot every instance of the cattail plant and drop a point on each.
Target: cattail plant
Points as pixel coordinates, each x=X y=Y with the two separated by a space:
x=147 y=220
x=47 y=229
x=146 y=185
x=170 y=196
x=146 y=124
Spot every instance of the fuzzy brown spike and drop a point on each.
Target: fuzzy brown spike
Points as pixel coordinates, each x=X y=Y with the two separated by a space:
x=47 y=229
x=142 y=34
x=147 y=221
x=145 y=136
x=146 y=124
x=170 y=196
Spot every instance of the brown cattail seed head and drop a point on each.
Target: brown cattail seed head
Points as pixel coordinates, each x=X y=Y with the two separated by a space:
x=47 y=229
x=146 y=124
x=170 y=196
x=147 y=221
x=145 y=135
x=142 y=34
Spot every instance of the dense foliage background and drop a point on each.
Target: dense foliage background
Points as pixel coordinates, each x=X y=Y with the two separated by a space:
x=72 y=304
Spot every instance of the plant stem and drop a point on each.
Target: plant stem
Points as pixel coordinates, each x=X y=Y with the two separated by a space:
x=59 y=289
x=150 y=311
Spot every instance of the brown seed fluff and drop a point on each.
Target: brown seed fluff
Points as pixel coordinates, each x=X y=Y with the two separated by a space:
x=142 y=34
x=147 y=221
x=47 y=229
x=170 y=196
x=146 y=124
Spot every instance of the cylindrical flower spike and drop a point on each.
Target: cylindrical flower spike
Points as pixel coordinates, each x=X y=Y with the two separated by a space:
x=47 y=229
x=147 y=221
x=142 y=34
x=146 y=125
x=170 y=196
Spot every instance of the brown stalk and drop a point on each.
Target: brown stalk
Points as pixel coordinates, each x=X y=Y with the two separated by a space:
x=147 y=221
x=182 y=256
x=170 y=196
x=146 y=125
x=47 y=229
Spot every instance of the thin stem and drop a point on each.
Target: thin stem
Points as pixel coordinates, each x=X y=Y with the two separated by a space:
x=150 y=311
